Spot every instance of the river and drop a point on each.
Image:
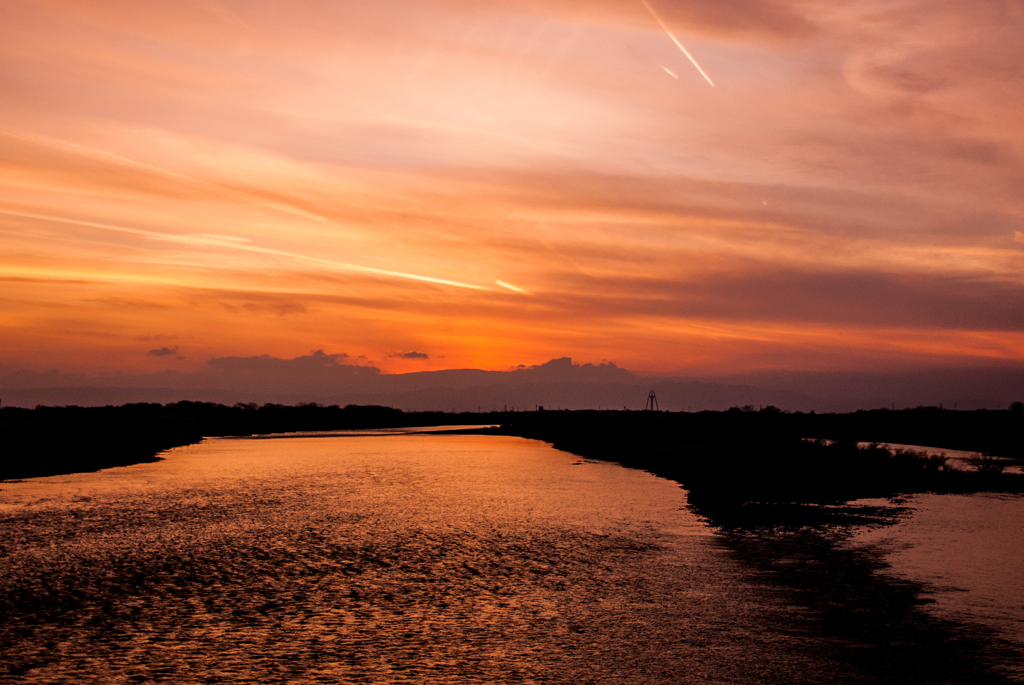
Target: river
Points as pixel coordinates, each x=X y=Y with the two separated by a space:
x=411 y=558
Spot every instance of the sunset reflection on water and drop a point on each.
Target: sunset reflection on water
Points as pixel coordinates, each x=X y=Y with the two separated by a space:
x=395 y=558
x=378 y=559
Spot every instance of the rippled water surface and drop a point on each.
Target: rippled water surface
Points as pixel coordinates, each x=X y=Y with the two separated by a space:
x=417 y=558
x=369 y=559
x=968 y=551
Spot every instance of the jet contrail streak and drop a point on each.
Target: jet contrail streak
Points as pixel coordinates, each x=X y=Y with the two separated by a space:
x=676 y=41
x=669 y=72
x=511 y=287
x=222 y=242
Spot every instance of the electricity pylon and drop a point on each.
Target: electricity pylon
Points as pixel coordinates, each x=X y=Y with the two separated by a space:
x=652 y=402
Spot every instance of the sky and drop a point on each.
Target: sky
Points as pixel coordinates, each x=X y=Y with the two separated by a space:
x=449 y=184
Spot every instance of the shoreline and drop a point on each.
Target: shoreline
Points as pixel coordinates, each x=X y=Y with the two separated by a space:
x=49 y=441
x=801 y=550
x=798 y=553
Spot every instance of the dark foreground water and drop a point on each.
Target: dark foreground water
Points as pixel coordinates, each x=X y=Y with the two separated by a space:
x=967 y=551
x=435 y=559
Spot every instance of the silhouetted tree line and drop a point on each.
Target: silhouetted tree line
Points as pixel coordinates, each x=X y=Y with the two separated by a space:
x=54 y=440
x=998 y=433
x=740 y=455
x=748 y=467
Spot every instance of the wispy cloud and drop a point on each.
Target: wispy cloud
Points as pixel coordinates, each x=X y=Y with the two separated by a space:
x=261 y=182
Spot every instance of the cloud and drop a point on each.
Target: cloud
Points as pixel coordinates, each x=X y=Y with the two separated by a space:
x=761 y=20
x=317 y=361
x=564 y=370
x=234 y=174
x=409 y=355
x=164 y=352
x=317 y=373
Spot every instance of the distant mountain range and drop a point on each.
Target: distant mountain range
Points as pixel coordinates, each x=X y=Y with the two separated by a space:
x=557 y=384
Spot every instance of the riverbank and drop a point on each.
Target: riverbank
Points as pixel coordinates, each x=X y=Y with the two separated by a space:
x=742 y=448
x=50 y=441
x=786 y=508
x=759 y=469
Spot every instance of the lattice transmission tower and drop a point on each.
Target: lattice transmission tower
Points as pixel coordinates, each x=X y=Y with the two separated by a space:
x=652 y=402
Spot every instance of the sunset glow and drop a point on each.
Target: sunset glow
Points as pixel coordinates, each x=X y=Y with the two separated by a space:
x=494 y=184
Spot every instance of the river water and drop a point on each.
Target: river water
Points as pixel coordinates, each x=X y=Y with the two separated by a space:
x=400 y=558
x=967 y=551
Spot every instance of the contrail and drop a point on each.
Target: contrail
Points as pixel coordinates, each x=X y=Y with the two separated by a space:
x=669 y=72
x=511 y=287
x=676 y=41
x=207 y=240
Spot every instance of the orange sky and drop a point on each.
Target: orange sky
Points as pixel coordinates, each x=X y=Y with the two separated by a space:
x=497 y=183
